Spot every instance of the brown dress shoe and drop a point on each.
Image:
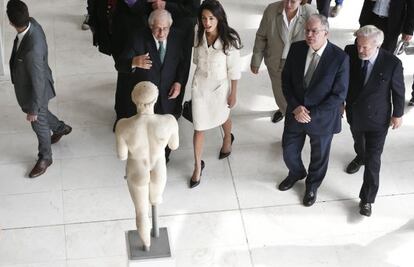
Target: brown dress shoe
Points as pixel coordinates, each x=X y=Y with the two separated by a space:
x=56 y=136
x=40 y=167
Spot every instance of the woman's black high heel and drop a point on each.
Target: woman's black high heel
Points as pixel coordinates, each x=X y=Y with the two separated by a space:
x=195 y=183
x=224 y=155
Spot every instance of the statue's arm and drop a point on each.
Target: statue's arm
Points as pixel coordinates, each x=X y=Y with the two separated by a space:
x=121 y=147
x=174 y=141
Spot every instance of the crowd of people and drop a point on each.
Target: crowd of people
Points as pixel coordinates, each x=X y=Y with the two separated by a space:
x=315 y=83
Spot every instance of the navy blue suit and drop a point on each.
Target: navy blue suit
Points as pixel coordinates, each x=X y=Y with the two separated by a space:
x=323 y=97
x=174 y=69
x=369 y=109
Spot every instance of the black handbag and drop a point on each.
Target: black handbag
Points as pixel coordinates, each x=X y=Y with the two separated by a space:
x=188 y=111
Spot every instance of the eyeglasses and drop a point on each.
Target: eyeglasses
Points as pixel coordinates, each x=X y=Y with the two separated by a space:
x=160 y=29
x=313 y=32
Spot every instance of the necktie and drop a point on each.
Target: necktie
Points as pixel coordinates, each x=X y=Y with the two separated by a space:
x=311 y=68
x=161 y=51
x=364 y=70
x=16 y=41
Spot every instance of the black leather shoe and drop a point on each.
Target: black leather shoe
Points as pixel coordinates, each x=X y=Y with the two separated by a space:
x=277 y=116
x=411 y=102
x=309 y=198
x=195 y=183
x=40 y=167
x=365 y=209
x=224 y=155
x=56 y=136
x=289 y=182
x=354 y=166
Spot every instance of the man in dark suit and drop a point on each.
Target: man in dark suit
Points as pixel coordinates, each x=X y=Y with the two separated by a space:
x=33 y=82
x=156 y=55
x=393 y=17
x=375 y=101
x=128 y=17
x=315 y=82
x=184 y=14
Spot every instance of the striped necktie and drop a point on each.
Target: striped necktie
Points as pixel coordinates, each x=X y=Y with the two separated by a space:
x=311 y=69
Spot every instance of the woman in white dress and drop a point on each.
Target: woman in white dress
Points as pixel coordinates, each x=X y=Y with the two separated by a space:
x=217 y=56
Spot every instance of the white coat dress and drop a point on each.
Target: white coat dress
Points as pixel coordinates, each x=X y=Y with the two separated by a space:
x=211 y=87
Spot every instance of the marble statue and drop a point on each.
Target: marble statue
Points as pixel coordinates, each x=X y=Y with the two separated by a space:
x=141 y=140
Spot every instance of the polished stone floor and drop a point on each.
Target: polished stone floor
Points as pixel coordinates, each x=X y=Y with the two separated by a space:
x=77 y=213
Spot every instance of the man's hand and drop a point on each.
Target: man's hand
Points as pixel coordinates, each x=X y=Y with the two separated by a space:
x=157 y=4
x=31 y=117
x=142 y=61
x=255 y=70
x=302 y=114
x=395 y=122
x=174 y=91
x=406 y=37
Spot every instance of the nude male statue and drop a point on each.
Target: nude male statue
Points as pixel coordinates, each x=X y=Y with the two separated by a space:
x=141 y=141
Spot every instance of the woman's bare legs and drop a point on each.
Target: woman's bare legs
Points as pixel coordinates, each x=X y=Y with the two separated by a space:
x=198 y=143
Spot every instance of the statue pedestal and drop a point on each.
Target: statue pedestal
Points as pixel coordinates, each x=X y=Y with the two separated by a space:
x=158 y=256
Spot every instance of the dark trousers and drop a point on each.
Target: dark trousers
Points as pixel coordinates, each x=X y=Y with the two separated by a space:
x=124 y=107
x=412 y=88
x=368 y=146
x=390 y=39
x=293 y=142
x=322 y=6
x=45 y=123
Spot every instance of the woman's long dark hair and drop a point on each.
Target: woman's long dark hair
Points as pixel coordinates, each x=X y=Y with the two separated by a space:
x=228 y=35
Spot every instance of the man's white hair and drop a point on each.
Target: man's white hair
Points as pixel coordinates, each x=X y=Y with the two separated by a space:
x=370 y=31
x=158 y=14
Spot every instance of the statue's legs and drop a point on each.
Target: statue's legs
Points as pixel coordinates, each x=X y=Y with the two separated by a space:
x=138 y=185
x=158 y=181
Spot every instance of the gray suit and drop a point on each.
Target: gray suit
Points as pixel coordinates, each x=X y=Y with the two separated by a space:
x=33 y=84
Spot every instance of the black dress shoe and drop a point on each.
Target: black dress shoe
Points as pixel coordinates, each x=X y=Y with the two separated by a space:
x=411 y=102
x=309 y=198
x=289 y=182
x=56 y=136
x=195 y=183
x=224 y=155
x=277 y=116
x=354 y=166
x=40 y=167
x=365 y=209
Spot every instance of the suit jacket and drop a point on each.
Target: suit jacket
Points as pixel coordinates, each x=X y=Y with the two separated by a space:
x=174 y=68
x=126 y=20
x=326 y=91
x=371 y=107
x=269 y=42
x=400 y=19
x=30 y=72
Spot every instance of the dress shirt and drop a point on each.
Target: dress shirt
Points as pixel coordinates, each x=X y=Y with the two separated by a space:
x=21 y=35
x=371 y=62
x=381 y=8
x=310 y=55
x=157 y=44
x=287 y=31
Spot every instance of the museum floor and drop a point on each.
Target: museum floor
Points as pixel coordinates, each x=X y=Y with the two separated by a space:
x=77 y=213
